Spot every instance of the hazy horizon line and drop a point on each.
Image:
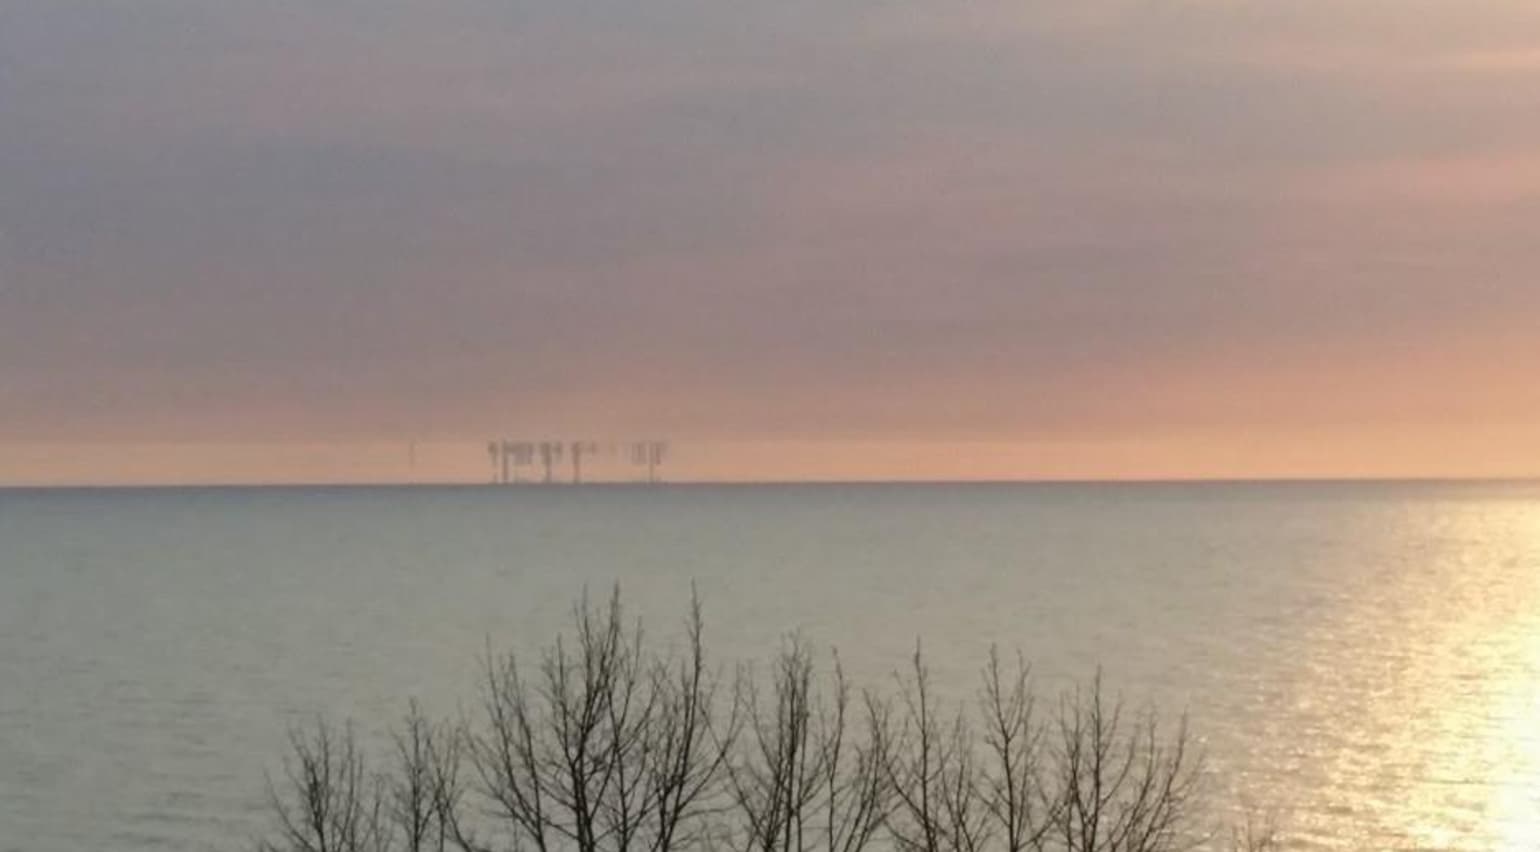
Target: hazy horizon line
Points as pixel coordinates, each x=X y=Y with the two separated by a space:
x=775 y=483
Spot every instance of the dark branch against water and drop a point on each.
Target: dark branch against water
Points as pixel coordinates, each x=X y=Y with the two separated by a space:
x=612 y=746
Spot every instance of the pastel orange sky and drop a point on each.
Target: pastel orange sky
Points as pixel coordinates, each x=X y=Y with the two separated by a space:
x=246 y=242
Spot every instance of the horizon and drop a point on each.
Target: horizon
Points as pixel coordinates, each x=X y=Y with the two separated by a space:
x=767 y=484
x=390 y=466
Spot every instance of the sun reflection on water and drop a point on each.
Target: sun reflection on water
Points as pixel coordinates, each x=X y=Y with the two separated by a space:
x=1463 y=771
x=1422 y=687
x=1513 y=751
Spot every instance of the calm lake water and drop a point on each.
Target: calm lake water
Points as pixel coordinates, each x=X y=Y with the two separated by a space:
x=1362 y=660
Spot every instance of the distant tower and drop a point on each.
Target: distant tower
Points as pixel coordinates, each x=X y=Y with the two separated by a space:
x=649 y=454
x=578 y=450
x=550 y=456
x=639 y=454
x=505 y=449
x=492 y=451
x=656 y=452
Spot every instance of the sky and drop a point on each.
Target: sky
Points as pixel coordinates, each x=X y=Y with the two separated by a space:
x=263 y=240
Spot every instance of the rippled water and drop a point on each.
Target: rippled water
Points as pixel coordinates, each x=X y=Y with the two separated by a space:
x=1362 y=660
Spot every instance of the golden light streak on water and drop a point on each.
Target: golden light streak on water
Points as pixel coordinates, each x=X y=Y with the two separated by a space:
x=1513 y=749
x=1413 y=714
x=1515 y=804
x=1462 y=771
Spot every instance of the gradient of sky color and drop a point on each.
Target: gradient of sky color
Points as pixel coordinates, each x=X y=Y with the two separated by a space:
x=1195 y=237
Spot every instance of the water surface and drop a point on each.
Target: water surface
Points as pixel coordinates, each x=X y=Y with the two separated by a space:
x=1362 y=659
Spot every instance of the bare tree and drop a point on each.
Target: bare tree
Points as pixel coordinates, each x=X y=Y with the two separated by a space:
x=552 y=758
x=330 y=802
x=806 y=777
x=856 y=794
x=688 y=745
x=510 y=759
x=448 y=749
x=773 y=779
x=1016 y=796
x=610 y=747
x=934 y=774
x=410 y=793
x=1122 y=786
x=424 y=796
